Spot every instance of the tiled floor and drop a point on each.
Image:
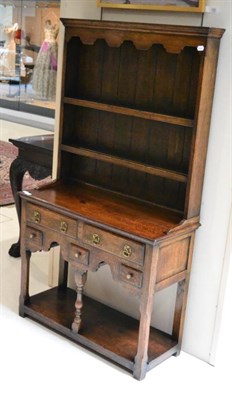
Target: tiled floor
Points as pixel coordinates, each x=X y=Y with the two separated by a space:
x=37 y=364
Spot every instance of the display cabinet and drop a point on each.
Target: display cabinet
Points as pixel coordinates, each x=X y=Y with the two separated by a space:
x=134 y=121
x=28 y=57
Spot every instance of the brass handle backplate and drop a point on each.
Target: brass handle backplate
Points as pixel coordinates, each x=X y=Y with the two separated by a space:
x=96 y=238
x=127 y=251
x=36 y=216
x=63 y=226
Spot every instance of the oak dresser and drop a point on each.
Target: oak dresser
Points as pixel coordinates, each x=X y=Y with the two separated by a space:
x=134 y=121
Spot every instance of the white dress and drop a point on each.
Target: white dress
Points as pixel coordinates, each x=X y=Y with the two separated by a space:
x=8 y=54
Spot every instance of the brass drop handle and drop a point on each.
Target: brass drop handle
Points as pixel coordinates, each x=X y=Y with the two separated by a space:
x=63 y=226
x=129 y=276
x=36 y=216
x=127 y=251
x=96 y=238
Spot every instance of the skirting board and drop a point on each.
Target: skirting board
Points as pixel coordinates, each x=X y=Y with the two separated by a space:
x=19 y=117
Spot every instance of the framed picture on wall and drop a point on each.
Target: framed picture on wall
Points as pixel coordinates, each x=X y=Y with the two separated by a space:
x=159 y=5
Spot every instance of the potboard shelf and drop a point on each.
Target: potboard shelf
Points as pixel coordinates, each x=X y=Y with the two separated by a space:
x=100 y=324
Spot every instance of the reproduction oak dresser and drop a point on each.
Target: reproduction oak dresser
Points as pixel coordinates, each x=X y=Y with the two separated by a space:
x=135 y=113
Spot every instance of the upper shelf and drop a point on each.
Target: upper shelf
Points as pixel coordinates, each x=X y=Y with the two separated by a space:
x=169 y=119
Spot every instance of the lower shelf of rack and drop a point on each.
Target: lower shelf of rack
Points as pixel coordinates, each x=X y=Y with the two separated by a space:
x=104 y=330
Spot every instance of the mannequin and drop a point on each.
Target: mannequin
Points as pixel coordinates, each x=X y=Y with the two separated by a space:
x=44 y=73
x=8 y=55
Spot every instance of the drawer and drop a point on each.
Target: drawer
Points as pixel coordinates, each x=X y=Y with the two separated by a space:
x=34 y=236
x=130 y=275
x=112 y=243
x=51 y=220
x=78 y=254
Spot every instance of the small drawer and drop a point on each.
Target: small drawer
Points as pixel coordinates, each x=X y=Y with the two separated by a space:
x=34 y=236
x=51 y=220
x=78 y=254
x=112 y=243
x=130 y=275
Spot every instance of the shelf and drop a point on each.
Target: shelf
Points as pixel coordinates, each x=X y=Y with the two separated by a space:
x=100 y=324
x=168 y=119
x=162 y=172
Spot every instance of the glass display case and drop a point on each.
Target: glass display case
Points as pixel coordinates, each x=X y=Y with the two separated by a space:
x=28 y=55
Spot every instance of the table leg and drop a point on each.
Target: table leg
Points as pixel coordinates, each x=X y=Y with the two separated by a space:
x=80 y=279
x=146 y=304
x=181 y=300
x=24 y=295
x=17 y=172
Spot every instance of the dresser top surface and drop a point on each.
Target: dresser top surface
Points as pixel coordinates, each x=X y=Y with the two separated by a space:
x=105 y=208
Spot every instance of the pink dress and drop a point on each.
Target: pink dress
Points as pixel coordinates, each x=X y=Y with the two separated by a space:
x=45 y=70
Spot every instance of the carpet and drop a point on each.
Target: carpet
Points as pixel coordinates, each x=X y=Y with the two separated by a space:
x=8 y=152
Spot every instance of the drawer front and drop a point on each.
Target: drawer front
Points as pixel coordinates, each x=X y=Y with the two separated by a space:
x=130 y=275
x=34 y=236
x=52 y=220
x=78 y=254
x=117 y=245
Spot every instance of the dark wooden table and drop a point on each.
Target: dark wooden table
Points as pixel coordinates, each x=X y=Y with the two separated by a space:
x=34 y=156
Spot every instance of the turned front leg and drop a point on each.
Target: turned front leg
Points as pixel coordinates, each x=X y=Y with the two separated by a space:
x=80 y=279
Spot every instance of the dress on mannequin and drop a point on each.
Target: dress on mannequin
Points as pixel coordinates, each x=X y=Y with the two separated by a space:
x=44 y=73
x=8 y=54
